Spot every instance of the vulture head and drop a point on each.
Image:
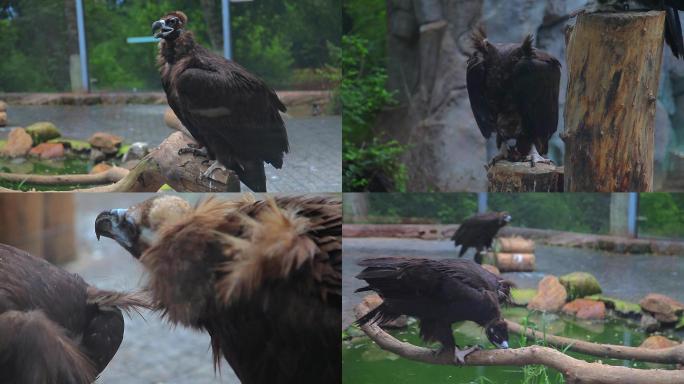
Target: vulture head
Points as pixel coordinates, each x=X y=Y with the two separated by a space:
x=505 y=218
x=135 y=228
x=170 y=26
x=497 y=333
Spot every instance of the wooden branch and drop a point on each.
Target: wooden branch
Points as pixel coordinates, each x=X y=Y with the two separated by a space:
x=163 y=165
x=112 y=175
x=614 y=62
x=575 y=371
x=673 y=355
x=506 y=176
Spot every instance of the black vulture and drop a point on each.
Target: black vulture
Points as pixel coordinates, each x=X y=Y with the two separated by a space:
x=438 y=293
x=230 y=112
x=673 y=25
x=513 y=91
x=478 y=231
x=262 y=277
x=54 y=327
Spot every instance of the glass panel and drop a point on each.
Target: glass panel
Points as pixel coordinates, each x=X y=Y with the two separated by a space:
x=39 y=46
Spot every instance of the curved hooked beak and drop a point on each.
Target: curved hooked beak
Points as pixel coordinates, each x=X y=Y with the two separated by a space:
x=503 y=345
x=507 y=218
x=159 y=29
x=117 y=226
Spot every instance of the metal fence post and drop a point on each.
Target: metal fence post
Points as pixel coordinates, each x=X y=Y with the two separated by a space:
x=225 y=12
x=82 y=50
x=482 y=202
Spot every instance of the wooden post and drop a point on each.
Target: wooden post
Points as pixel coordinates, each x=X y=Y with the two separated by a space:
x=505 y=176
x=614 y=62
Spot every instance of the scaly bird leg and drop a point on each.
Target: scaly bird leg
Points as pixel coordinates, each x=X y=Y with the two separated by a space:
x=214 y=166
x=196 y=150
x=502 y=155
x=460 y=355
x=534 y=157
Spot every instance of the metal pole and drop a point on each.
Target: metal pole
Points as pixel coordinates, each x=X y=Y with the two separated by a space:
x=82 y=50
x=482 y=202
x=632 y=213
x=225 y=8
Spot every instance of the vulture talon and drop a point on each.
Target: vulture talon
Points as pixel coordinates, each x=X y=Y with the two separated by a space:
x=460 y=355
x=213 y=167
x=195 y=150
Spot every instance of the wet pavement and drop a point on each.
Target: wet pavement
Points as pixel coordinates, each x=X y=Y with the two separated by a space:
x=627 y=277
x=314 y=163
x=152 y=350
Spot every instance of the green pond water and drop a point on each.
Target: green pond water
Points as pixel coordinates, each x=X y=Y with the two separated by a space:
x=70 y=165
x=364 y=362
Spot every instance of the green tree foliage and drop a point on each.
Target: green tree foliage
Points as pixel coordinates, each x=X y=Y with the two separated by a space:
x=276 y=39
x=661 y=214
x=421 y=207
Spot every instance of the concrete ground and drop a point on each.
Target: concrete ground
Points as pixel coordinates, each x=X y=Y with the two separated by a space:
x=152 y=351
x=314 y=163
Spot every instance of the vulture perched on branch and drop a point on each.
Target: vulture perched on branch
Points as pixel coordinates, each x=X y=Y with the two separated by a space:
x=230 y=112
x=438 y=293
x=513 y=91
x=478 y=231
x=263 y=278
x=54 y=327
x=673 y=25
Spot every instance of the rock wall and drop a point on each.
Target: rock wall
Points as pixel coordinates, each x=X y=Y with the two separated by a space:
x=428 y=44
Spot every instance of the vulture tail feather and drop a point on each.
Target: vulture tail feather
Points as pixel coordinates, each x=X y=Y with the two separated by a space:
x=42 y=350
x=379 y=315
x=253 y=175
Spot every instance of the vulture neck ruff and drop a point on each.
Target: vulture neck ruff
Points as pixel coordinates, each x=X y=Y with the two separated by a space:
x=173 y=50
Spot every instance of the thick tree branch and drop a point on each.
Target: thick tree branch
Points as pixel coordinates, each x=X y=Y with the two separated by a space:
x=575 y=371
x=673 y=355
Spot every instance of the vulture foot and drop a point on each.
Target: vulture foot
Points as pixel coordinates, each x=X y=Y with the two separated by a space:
x=460 y=355
x=214 y=166
x=534 y=157
x=195 y=149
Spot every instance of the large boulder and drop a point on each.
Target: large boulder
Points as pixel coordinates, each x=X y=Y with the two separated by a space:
x=665 y=309
x=551 y=295
x=99 y=168
x=3 y=119
x=18 y=144
x=373 y=300
x=48 y=151
x=3 y=106
x=43 y=131
x=648 y=323
x=106 y=142
x=586 y=309
x=580 y=284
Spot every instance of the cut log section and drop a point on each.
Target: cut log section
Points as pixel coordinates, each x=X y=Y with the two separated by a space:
x=511 y=262
x=614 y=62
x=505 y=176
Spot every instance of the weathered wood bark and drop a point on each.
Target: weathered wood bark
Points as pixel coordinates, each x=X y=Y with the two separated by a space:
x=614 y=62
x=161 y=166
x=41 y=224
x=575 y=371
x=505 y=176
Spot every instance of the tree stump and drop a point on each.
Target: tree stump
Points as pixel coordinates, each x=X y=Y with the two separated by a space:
x=505 y=176
x=614 y=62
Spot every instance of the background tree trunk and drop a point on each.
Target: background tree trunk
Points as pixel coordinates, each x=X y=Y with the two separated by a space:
x=614 y=62
x=214 y=24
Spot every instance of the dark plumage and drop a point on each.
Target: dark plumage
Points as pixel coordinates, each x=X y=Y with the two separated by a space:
x=478 y=232
x=228 y=110
x=438 y=293
x=673 y=25
x=513 y=91
x=263 y=278
x=54 y=327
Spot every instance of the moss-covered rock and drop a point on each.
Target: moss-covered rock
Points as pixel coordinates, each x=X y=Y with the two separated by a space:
x=42 y=132
x=78 y=146
x=522 y=297
x=623 y=308
x=580 y=284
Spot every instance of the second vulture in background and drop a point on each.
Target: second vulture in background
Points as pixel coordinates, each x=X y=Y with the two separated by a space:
x=229 y=111
x=263 y=278
x=478 y=232
x=513 y=91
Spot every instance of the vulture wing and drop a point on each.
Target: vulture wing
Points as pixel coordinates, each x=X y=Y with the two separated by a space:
x=234 y=108
x=535 y=87
x=476 y=79
x=673 y=28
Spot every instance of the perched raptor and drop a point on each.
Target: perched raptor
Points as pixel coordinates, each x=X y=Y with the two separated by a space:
x=262 y=277
x=438 y=293
x=673 y=25
x=478 y=231
x=513 y=91
x=54 y=327
x=230 y=112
